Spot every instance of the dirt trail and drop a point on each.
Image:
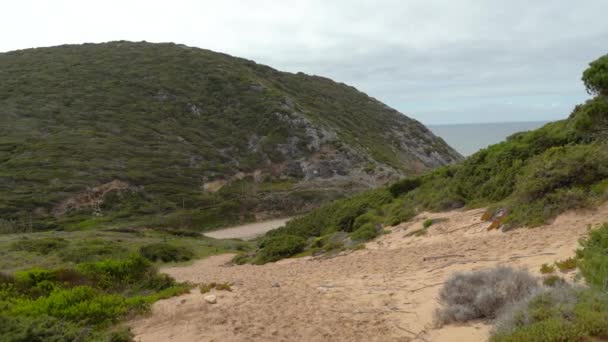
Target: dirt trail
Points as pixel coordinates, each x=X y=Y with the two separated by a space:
x=248 y=231
x=386 y=292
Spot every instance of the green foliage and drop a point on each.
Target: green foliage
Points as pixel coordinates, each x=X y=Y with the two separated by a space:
x=593 y=257
x=546 y=269
x=80 y=304
x=166 y=252
x=92 y=250
x=553 y=280
x=281 y=246
x=118 y=274
x=427 y=223
x=164 y=119
x=566 y=265
x=404 y=186
x=42 y=246
x=596 y=76
x=559 y=314
x=364 y=233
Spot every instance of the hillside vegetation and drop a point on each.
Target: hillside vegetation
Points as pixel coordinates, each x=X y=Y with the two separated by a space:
x=526 y=180
x=168 y=135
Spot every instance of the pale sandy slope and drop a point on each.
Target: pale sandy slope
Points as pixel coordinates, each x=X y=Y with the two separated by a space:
x=386 y=292
x=248 y=231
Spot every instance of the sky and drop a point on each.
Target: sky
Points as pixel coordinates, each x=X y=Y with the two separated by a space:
x=438 y=61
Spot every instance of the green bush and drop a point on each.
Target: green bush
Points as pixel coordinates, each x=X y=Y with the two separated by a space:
x=404 y=186
x=364 y=233
x=281 y=246
x=596 y=76
x=42 y=246
x=92 y=250
x=427 y=223
x=553 y=280
x=593 y=257
x=39 y=329
x=166 y=252
x=546 y=269
x=560 y=313
x=118 y=274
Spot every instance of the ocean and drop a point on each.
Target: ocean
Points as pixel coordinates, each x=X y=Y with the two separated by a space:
x=470 y=138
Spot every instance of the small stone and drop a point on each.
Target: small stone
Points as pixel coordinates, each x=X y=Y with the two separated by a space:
x=276 y=284
x=211 y=299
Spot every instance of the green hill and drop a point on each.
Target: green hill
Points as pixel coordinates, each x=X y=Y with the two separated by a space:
x=526 y=180
x=168 y=135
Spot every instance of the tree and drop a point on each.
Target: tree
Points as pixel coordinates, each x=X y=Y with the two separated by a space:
x=596 y=77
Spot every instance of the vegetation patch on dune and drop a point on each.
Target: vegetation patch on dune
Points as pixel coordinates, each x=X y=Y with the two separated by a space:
x=81 y=303
x=526 y=180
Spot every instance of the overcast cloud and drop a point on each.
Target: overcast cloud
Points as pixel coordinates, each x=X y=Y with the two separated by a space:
x=437 y=61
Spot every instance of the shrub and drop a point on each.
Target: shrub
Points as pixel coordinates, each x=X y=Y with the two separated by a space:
x=553 y=280
x=282 y=246
x=92 y=250
x=427 y=223
x=364 y=233
x=206 y=287
x=561 y=313
x=481 y=294
x=404 y=186
x=39 y=329
x=566 y=265
x=42 y=246
x=166 y=252
x=546 y=269
x=596 y=76
x=593 y=257
x=118 y=274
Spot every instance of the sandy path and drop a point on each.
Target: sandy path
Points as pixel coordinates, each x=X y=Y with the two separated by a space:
x=386 y=292
x=248 y=231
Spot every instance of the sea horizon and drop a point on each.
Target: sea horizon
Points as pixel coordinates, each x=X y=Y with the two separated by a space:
x=467 y=138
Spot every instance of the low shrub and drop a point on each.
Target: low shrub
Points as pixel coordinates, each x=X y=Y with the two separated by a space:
x=166 y=253
x=546 y=269
x=404 y=186
x=481 y=294
x=40 y=329
x=92 y=250
x=206 y=287
x=553 y=280
x=560 y=313
x=364 y=233
x=427 y=223
x=281 y=246
x=566 y=265
x=116 y=275
x=42 y=246
x=593 y=257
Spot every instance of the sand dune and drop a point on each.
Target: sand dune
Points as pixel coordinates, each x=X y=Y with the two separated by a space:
x=386 y=292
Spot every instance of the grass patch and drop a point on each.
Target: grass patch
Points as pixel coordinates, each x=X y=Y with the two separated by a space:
x=566 y=265
x=427 y=223
x=546 y=269
x=166 y=253
x=82 y=302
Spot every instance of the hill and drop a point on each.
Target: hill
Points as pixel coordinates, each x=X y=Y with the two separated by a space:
x=168 y=135
x=526 y=180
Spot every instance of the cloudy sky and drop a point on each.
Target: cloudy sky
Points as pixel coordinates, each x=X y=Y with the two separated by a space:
x=439 y=61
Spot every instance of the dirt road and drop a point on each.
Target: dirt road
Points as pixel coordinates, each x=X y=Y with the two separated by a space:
x=386 y=292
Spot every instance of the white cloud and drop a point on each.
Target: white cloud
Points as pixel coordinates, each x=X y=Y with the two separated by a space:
x=469 y=55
